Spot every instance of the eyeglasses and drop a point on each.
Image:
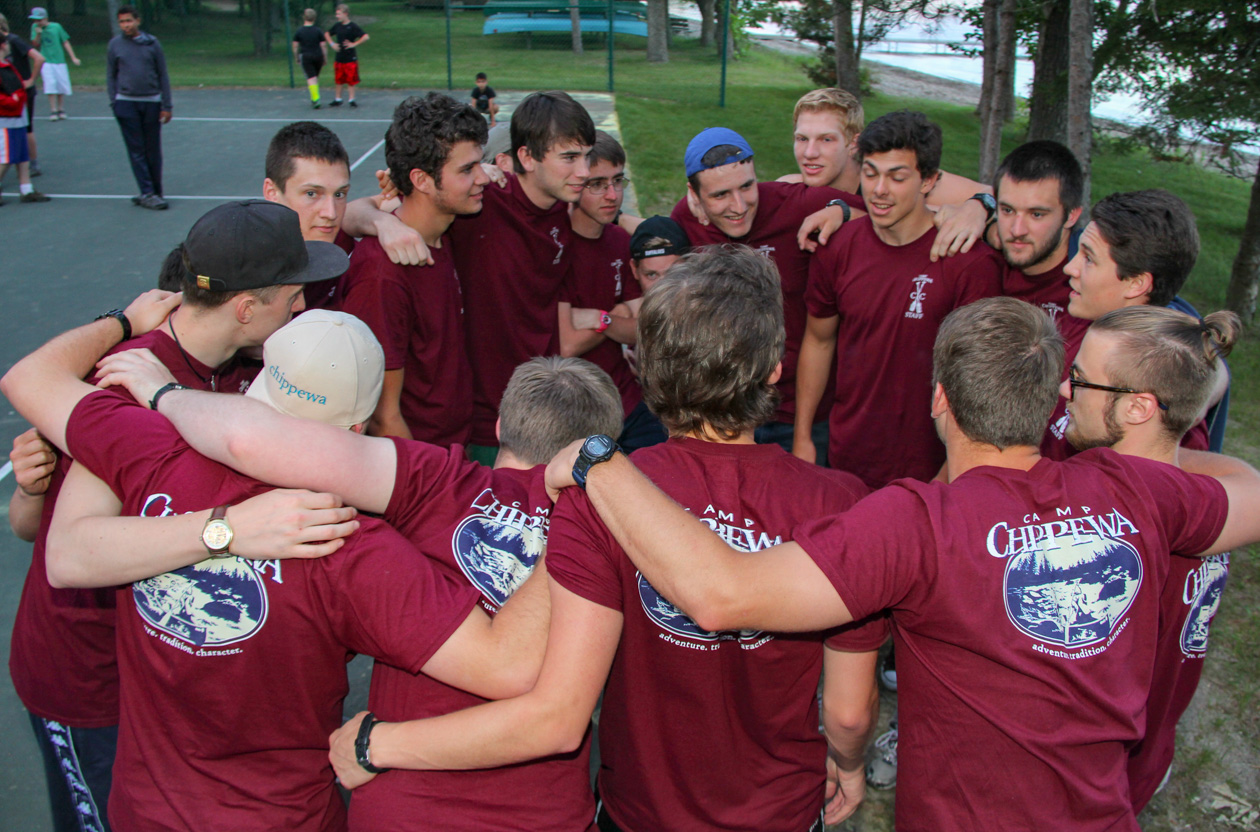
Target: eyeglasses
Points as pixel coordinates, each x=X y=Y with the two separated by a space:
x=1074 y=381
x=599 y=186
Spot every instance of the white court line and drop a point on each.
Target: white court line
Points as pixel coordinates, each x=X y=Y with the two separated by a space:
x=268 y=120
x=6 y=470
x=364 y=157
x=167 y=198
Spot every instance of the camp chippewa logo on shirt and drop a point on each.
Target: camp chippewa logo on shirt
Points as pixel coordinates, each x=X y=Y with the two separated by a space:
x=765 y=251
x=498 y=544
x=1070 y=578
x=1052 y=309
x=676 y=626
x=616 y=267
x=917 y=294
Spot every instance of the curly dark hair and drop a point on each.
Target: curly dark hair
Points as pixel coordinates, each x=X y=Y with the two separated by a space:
x=423 y=133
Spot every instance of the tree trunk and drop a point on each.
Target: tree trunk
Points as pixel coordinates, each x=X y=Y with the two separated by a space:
x=1080 y=128
x=847 y=75
x=658 y=28
x=260 y=20
x=994 y=109
x=111 y=7
x=1004 y=73
x=708 y=22
x=1047 y=117
x=859 y=42
x=1244 y=279
x=989 y=38
x=575 y=20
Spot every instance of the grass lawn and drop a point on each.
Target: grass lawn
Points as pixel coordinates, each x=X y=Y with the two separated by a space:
x=660 y=108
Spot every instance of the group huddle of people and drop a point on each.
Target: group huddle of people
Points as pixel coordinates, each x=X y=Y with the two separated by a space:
x=869 y=399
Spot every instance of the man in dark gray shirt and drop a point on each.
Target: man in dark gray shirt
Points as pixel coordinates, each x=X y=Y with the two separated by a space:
x=140 y=95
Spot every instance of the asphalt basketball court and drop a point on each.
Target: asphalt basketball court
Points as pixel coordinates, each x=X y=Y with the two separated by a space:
x=89 y=250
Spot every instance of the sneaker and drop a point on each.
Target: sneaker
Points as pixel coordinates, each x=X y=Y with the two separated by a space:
x=35 y=169
x=36 y=196
x=336 y=102
x=315 y=105
x=888 y=670
x=136 y=200
x=52 y=117
x=153 y=202
x=353 y=103
x=61 y=116
x=881 y=772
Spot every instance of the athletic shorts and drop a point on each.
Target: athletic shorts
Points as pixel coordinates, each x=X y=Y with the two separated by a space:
x=311 y=67
x=346 y=73
x=56 y=79
x=13 y=147
x=30 y=109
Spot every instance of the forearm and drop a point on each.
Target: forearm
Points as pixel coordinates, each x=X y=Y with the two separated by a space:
x=812 y=367
x=70 y=51
x=623 y=330
x=576 y=338
x=388 y=421
x=1212 y=464
x=102 y=551
x=68 y=358
x=494 y=734
x=653 y=529
x=847 y=740
x=520 y=633
x=25 y=511
x=361 y=218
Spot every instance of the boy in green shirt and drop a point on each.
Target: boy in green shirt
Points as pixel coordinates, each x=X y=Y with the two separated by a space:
x=53 y=42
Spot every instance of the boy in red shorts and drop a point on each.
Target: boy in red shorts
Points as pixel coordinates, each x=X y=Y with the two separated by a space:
x=345 y=37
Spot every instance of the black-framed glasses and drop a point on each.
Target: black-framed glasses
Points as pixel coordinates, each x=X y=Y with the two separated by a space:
x=1074 y=381
x=599 y=186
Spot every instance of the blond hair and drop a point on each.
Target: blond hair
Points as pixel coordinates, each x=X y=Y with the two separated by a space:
x=833 y=100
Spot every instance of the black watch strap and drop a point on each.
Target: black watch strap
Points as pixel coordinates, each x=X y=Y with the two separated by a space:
x=844 y=208
x=162 y=391
x=989 y=203
x=121 y=317
x=362 y=741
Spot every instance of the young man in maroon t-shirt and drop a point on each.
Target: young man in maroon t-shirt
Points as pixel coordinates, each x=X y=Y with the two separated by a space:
x=875 y=300
x=308 y=170
x=699 y=729
x=246 y=265
x=433 y=149
x=513 y=257
x=483 y=527
x=1025 y=635
x=1138 y=249
x=722 y=189
x=600 y=299
x=282 y=631
x=1138 y=384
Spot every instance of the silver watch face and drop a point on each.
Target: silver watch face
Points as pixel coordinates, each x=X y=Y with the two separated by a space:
x=217 y=535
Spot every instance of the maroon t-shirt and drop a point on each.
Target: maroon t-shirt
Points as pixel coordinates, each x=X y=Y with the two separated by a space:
x=512 y=259
x=326 y=294
x=890 y=301
x=1188 y=604
x=233 y=671
x=600 y=278
x=781 y=208
x=1025 y=608
x=417 y=314
x=61 y=656
x=484 y=527
x=1048 y=290
x=701 y=730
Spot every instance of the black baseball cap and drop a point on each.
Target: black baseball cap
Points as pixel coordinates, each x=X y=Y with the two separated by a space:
x=252 y=244
x=658 y=236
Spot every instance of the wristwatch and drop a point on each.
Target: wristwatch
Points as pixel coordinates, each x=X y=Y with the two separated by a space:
x=217 y=534
x=605 y=321
x=844 y=207
x=362 y=740
x=989 y=203
x=121 y=317
x=596 y=449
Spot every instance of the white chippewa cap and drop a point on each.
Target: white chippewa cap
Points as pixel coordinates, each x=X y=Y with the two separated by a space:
x=322 y=365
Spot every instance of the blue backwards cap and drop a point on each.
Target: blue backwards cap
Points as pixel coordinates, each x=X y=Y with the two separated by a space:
x=710 y=138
